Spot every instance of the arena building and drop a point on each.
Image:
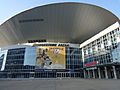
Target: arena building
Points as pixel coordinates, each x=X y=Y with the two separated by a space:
x=50 y=41
x=101 y=54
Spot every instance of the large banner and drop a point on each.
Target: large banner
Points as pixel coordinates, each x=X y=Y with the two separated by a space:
x=3 y=56
x=50 y=57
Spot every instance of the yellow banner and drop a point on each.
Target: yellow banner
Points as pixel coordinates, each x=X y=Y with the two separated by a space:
x=50 y=57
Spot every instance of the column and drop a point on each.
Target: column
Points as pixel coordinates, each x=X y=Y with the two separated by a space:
x=99 y=73
x=114 y=71
x=93 y=73
x=84 y=73
x=88 y=74
x=106 y=74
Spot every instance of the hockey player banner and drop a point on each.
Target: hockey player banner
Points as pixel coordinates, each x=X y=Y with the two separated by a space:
x=50 y=57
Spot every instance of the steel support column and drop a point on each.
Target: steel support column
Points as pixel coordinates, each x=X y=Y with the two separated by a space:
x=93 y=73
x=106 y=73
x=114 y=71
x=99 y=73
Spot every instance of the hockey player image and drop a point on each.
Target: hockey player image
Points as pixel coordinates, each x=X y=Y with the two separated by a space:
x=43 y=59
x=50 y=57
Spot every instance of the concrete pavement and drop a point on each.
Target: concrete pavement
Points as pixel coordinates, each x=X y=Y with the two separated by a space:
x=60 y=84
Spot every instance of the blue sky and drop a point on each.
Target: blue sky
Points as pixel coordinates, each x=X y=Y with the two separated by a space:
x=10 y=8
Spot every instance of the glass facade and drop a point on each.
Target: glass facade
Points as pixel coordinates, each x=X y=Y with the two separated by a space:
x=116 y=54
x=101 y=56
x=21 y=63
x=73 y=69
x=99 y=51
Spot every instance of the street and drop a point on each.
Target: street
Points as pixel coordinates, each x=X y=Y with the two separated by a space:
x=60 y=84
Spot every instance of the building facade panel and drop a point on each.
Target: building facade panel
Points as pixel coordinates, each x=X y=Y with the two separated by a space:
x=101 y=55
x=21 y=63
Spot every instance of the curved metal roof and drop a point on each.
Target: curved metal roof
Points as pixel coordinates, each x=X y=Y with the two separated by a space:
x=61 y=22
